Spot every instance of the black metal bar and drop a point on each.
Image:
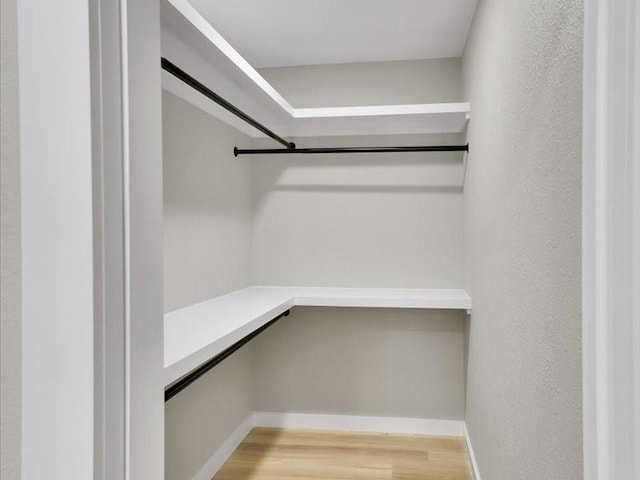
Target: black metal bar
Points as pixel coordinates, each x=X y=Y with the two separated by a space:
x=204 y=90
x=276 y=151
x=196 y=373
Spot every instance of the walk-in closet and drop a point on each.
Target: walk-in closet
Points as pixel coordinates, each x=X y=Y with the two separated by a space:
x=320 y=240
x=319 y=232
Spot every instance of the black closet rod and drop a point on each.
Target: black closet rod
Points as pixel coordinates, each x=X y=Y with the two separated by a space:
x=196 y=373
x=426 y=148
x=291 y=147
x=196 y=85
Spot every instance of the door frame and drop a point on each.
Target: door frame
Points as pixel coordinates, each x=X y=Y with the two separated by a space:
x=126 y=345
x=91 y=200
x=127 y=106
x=611 y=240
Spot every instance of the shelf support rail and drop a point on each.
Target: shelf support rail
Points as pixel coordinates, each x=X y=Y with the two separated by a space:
x=175 y=388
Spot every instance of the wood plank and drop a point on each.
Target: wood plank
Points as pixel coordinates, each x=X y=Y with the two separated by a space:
x=272 y=453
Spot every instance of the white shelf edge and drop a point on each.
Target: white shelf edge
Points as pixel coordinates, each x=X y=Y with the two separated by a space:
x=183 y=366
x=383 y=110
x=205 y=28
x=285 y=298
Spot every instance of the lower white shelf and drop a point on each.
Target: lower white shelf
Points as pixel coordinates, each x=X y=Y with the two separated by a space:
x=194 y=334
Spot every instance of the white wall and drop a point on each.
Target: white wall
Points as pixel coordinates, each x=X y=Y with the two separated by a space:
x=391 y=220
x=201 y=417
x=523 y=76
x=353 y=361
x=207 y=228
x=374 y=83
x=343 y=220
x=10 y=351
x=207 y=206
x=349 y=220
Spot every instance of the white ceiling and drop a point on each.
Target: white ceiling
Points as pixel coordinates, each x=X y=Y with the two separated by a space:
x=277 y=33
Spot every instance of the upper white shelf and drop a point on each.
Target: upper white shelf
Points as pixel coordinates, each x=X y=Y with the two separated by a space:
x=194 y=45
x=380 y=119
x=194 y=334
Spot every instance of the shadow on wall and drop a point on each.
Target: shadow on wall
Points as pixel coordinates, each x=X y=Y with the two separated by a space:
x=370 y=188
x=409 y=172
x=370 y=175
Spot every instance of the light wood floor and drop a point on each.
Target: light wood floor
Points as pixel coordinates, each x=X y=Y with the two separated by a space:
x=270 y=454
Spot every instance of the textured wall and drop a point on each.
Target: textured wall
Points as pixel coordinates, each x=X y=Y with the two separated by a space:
x=376 y=83
x=207 y=227
x=523 y=73
x=10 y=362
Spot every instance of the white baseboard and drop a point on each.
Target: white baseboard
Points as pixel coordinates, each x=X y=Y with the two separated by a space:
x=221 y=455
x=450 y=428
x=472 y=455
x=350 y=423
